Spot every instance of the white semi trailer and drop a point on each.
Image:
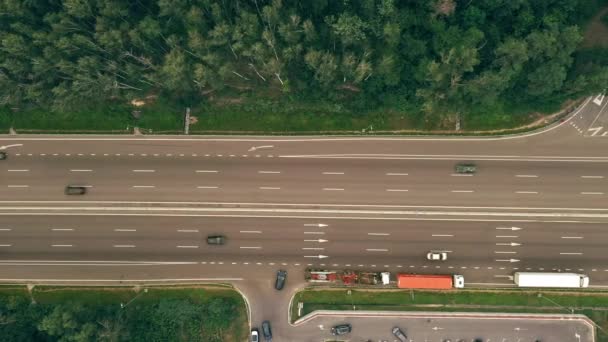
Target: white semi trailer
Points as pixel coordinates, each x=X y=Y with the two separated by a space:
x=550 y=279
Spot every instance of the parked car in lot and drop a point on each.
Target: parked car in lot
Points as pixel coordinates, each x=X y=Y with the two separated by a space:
x=437 y=256
x=255 y=335
x=266 y=331
x=465 y=168
x=75 y=190
x=217 y=240
x=3 y=155
x=399 y=334
x=281 y=278
x=341 y=329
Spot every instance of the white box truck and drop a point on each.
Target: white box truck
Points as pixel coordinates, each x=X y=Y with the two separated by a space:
x=550 y=279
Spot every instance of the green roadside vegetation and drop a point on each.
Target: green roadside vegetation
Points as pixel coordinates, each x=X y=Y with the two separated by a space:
x=211 y=313
x=594 y=304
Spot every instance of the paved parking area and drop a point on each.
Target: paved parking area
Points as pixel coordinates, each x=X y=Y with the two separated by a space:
x=453 y=327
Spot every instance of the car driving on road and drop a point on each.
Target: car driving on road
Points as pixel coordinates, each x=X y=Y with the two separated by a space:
x=399 y=334
x=255 y=335
x=216 y=240
x=341 y=329
x=75 y=190
x=267 y=331
x=3 y=155
x=437 y=256
x=281 y=278
x=465 y=168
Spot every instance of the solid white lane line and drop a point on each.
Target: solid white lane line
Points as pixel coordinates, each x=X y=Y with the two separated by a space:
x=333 y=173
x=207 y=187
x=61 y=245
x=123 y=246
x=250 y=231
x=507 y=236
x=5 y=245
x=315 y=233
x=379 y=234
x=18 y=186
x=461 y=175
x=397 y=190
x=526 y=176
x=442 y=235
x=593 y=177
x=81 y=170
x=5 y=229
x=333 y=189
x=396 y=174
x=62 y=229
x=592 y=193
x=207 y=171
x=572 y=237
x=187 y=230
x=462 y=190
x=125 y=230
x=526 y=192
x=144 y=170
x=269 y=172
x=376 y=249
x=570 y=253
x=313 y=248
x=505 y=252
x=269 y=188
x=144 y=186
x=250 y=247
x=18 y=170
x=187 y=246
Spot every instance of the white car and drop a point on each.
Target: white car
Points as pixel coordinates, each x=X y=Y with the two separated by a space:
x=437 y=256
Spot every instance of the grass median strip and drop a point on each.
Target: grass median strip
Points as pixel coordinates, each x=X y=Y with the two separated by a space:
x=594 y=304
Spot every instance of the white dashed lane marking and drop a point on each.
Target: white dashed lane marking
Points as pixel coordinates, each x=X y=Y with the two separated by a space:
x=18 y=170
x=18 y=186
x=526 y=176
x=144 y=186
x=81 y=170
x=592 y=177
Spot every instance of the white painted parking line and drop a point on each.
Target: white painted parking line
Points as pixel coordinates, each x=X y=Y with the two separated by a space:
x=187 y=230
x=462 y=190
x=527 y=192
x=81 y=170
x=269 y=172
x=125 y=230
x=397 y=190
x=207 y=171
x=149 y=171
x=250 y=247
x=572 y=237
x=442 y=235
x=397 y=174
x=193 y=246
x=526 y=176
x=376 y=250
x=570 y=253
x=593 y=177
x=269 y=188
x=18 y=186
x=379 y=234
x=62 y=229
x=250 y=231
x=207 y=187
x=592 y=193
x=123 y=246
x=18 y=170
x=143 y=186
x=333 y=173
x=61 y=245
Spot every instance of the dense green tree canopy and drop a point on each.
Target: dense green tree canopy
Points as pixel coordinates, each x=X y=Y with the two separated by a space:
x=442 y=54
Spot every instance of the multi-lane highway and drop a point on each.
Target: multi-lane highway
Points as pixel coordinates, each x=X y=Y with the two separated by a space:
x=537 y=202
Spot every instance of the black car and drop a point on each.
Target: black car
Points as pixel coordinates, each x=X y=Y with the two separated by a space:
x=399 y=334
x=341 y=329
x=75 y=190
x=466 y=168
x=3 y=155
x=281 y=278
x=266 y=331
x=217 y=240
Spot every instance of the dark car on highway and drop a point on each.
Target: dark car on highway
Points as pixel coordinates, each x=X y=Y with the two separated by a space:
x=341 y=329
x=266 y=331
x=281 y=278
x=3 y=155
x=465 y=168
x=399 y=334
x=217 y=240
x=75 y=190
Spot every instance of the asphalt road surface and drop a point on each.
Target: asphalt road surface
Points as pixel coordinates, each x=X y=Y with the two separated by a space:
x=538 y=202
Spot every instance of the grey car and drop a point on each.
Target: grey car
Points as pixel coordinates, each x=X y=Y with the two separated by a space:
x=217 y=240
x=281 y=278
x=75 y=190
x=3 y=155
x=466 y=168
x=266 y=331
x=399 y=334
x=341 y=329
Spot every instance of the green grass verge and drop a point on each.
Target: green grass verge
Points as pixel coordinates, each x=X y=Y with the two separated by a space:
x=107 y=119
x=206 y=313
x=593 y=304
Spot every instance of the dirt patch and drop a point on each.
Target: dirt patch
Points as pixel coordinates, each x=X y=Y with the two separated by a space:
x=597 y=31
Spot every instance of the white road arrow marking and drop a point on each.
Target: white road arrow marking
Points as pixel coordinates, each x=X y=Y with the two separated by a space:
x=509 y=228
x=508 y=244
x=255 y=148
x=316 y=256
x=598 y=99
x=7 y=146
x=319 y=240
x=507 y=260
x=595 y=130
x=320 y=225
